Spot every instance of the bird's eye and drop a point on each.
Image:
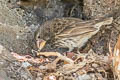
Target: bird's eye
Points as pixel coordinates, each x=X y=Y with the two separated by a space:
x=39 y=37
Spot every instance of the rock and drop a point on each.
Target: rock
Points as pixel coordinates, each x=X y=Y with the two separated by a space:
x=10 y=16
x=15 y=38
x=10 y=68
x=97 y=8
x=5 y=58
x=3 y=75
x=14 y=34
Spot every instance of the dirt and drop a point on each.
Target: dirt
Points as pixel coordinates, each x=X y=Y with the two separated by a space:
x=18 y=23
x=28 y=19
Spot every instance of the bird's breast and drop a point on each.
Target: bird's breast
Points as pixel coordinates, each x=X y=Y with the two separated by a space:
x=67 y=43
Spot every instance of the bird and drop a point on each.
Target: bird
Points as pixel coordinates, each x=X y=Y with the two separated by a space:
x=69 y=32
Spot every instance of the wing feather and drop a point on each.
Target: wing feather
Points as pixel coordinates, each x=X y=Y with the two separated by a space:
x=78 y=28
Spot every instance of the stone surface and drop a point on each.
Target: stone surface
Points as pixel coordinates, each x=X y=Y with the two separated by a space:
x=97 y=8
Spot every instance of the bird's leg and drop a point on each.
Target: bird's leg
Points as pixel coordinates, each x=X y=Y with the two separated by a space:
x=70 y=49
x=78 y=50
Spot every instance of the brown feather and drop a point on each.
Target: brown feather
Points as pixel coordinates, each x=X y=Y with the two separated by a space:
x=70 y=32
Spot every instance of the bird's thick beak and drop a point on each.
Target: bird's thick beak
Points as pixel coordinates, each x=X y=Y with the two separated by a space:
x=40 y=44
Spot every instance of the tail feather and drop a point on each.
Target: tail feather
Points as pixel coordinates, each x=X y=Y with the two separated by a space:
x=103 y=21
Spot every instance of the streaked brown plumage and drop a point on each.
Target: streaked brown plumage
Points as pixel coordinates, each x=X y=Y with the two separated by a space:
x=69 y=32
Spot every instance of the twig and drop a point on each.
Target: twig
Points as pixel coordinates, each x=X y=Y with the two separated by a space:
x=56 y=54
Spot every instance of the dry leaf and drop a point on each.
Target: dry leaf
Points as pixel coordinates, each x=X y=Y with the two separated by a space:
x=50 y=77
x=71 y=55
x=53 y=64
x=27 y=58
x=116 y=58
x=31 y=68
x=65 y=58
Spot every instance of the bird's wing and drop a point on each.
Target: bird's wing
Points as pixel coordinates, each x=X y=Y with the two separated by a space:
x=77 y=28
x=60 y=24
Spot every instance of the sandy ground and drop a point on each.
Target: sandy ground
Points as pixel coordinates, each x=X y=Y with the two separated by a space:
x=17 y=25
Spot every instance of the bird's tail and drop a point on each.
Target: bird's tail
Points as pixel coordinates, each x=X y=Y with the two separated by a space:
x=103 y=21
